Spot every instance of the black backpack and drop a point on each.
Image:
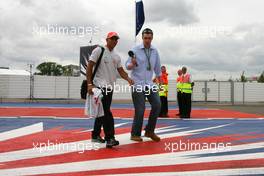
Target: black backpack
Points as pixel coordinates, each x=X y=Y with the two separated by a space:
x=85 y=53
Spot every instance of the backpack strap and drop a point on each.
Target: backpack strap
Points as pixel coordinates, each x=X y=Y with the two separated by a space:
x=98 y=63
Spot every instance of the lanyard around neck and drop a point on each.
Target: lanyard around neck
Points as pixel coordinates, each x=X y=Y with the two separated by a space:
x=148 y=55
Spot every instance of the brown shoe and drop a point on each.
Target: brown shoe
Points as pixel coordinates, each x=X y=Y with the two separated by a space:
x=136 y=138
x=153 y=136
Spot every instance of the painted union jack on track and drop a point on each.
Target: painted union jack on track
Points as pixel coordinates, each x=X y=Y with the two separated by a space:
x=34 y=146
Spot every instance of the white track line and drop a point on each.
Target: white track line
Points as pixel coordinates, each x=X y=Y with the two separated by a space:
x=38 y=127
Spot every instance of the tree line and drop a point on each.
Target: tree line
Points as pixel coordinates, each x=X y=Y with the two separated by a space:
x=54 y=69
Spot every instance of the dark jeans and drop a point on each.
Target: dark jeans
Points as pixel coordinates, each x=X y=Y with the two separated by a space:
x=164 y=105
x=107 y=121
x=179 y=99
x=186 y=104
x=139 y=105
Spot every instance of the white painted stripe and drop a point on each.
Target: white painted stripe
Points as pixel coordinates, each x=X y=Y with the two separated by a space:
x=40 y=107
x=180 y=119
x=71 y=118
x=46 y=117
x=8 y=117
x=38 y=127
x=216 y=172
x=249 y=119
x=137 y=161
x=121 y=124
x=246 y=118
x=124 y=118
x=84 y=131
x=227 y=118
x=194 y=119
x=171 y=129
x=185 y=133
x=166 y=127
x=116 y=126
x=165 y=118
x=123 y=138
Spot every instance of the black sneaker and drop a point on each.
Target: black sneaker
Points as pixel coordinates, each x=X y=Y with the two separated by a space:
x=98 y=139
x=111 y=142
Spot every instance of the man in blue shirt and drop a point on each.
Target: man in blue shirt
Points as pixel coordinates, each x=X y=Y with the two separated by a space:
x=143 y=64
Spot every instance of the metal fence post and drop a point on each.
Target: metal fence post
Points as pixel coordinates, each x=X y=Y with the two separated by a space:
x=55 y=88
x=243 y=93
x=232 y=92
x=205 y=91
x=176 y=97
x=68 y=96
x=32 y=86
x=218 y=91
x=1 y=92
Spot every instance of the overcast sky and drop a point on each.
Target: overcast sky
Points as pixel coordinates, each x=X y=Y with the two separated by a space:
x=213 y=38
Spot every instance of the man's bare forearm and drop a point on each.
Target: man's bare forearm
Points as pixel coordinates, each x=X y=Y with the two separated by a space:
x=122 y=73
x=89 y=72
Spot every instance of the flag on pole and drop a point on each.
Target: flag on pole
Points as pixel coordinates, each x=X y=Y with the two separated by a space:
x=85 y=53
x=140 y=17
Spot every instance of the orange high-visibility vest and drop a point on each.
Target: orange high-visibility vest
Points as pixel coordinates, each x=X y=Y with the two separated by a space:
x=164 y=87
x=164 y=77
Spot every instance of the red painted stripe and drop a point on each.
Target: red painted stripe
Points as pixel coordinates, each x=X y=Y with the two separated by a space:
x=136 y=149
x=233 y=164
x=127 y=113
x=60 y=112
x=55 y=135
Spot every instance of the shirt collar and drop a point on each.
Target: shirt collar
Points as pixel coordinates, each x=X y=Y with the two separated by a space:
x=106 y=48
x=142 y=46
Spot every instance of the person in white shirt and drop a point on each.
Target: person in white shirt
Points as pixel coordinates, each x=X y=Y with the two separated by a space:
x=104 y=79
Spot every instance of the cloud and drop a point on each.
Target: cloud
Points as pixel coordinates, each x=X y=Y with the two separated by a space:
x=222 y=53
x=171 y=11
x=242 y=49
x=19 y=44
